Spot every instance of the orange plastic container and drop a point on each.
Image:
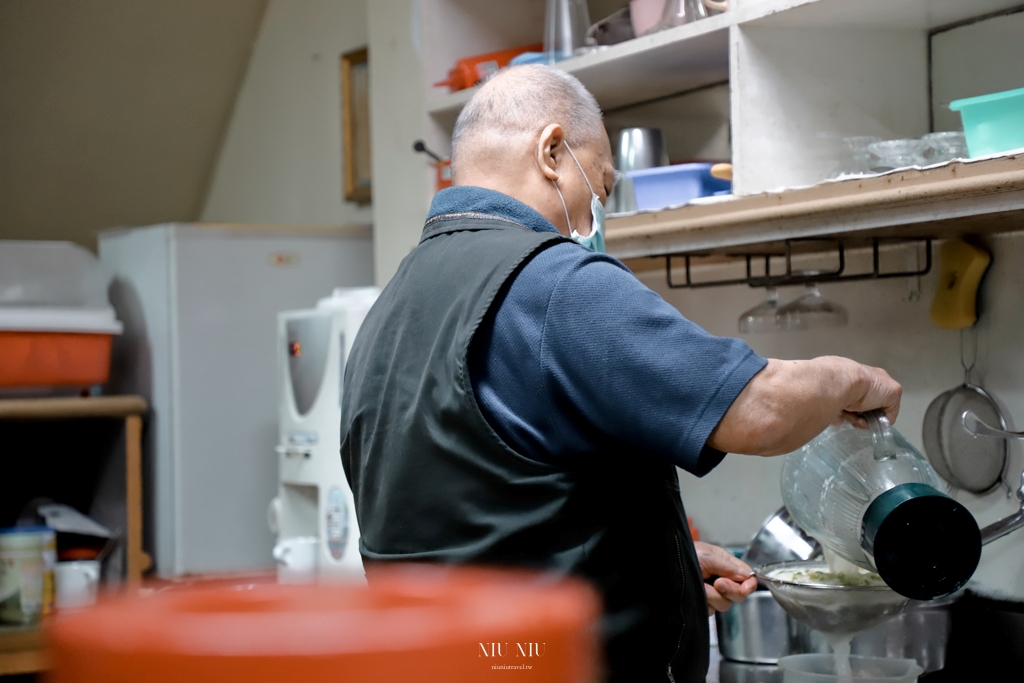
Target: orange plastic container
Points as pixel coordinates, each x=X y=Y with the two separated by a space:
x=30 y=359
x=469 y=71
x=56 y=322
x=425 y=624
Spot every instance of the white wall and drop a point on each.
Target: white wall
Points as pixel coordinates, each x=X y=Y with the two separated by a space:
x=962 y=61
x=889 y=327
x=402 y=179
x=281 y=159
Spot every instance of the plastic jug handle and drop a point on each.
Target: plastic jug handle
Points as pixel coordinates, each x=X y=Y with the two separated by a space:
x=881 y=434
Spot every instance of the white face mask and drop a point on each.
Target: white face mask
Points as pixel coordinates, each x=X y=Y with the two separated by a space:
x=595 y=240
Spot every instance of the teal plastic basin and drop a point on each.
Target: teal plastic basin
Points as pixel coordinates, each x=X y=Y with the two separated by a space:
x=992 y=123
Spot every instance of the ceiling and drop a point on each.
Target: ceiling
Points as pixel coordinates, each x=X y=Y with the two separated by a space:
x=112 y=112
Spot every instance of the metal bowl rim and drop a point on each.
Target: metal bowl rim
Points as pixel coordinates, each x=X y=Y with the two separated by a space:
x=762 y=574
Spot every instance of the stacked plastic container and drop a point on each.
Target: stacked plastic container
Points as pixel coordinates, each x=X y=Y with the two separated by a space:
x=56 y=322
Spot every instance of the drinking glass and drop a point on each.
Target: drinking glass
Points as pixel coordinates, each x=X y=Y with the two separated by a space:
x=761 y=318
x=679 y=12
x=946 y=146
x=898 y=154
x=565 y=28
x=811 y=311
x=856 y=157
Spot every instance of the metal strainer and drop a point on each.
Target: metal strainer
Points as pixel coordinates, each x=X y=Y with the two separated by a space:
x=833 y=610
x=962 y=458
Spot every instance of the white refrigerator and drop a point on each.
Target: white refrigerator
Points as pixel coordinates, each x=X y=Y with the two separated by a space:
x=199 y=304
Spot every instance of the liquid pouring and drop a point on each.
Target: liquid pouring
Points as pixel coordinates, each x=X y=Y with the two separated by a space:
x=888 y=532
x=870 y=498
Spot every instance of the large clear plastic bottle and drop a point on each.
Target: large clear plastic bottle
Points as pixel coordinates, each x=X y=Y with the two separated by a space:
x=871 y=498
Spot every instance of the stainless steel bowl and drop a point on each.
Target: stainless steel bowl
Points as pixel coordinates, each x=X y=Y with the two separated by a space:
x=781 y=540
x=758 y=632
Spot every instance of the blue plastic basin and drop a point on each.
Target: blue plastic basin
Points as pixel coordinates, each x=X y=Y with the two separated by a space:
x=657 y=188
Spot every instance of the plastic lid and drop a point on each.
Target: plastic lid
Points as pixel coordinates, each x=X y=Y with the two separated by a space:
x=925 y=544
x=45 y=319
x=957 y=105
x=50 y=274
x=412 y=624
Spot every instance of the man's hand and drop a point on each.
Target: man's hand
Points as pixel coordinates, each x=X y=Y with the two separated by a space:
x=735 y=579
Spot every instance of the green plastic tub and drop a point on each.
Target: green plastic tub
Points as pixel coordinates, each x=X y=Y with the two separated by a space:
x=992 y=123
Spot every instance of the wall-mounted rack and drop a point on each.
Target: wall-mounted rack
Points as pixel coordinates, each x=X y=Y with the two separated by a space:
x=952 y=201
x=792 y=276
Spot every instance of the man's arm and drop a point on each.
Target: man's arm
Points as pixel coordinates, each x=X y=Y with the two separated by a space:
x=788 y=403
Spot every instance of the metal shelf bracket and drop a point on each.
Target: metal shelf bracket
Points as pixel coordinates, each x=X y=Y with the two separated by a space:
x=798 y=277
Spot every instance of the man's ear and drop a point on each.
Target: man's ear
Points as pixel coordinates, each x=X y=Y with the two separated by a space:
x=551 y=140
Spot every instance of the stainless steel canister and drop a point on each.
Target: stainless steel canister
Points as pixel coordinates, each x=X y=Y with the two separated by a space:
x=638 y=148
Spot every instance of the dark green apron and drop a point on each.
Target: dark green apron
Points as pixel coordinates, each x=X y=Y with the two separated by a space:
x=433 y=482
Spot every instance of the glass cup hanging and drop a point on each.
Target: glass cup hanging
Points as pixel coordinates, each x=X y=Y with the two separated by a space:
x=811 y=311
x=761 y=318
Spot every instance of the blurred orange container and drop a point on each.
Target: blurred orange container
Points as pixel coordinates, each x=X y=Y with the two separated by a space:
x=469 y=71
x=56 y=323
x=53 y=359
x=427 y=624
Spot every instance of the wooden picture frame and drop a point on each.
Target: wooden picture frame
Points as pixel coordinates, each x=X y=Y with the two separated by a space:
x=355 y=126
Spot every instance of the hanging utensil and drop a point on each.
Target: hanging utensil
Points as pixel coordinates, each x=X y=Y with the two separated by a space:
x=960 y=457
x=975 y=464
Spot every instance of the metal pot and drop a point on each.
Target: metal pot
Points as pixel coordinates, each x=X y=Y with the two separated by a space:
x=921 y=632
x=758 y=631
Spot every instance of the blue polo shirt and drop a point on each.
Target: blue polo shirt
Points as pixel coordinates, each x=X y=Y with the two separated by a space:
x=576 y=355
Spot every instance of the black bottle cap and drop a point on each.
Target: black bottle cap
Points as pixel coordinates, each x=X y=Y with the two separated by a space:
x=925 y=544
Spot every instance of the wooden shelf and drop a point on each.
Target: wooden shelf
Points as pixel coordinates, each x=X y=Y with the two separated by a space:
x=21 y=650
x=954 y=200
x=638 y=70
x=71 y=407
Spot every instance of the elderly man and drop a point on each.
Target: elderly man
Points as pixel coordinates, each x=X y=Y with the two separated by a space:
x=516 y=397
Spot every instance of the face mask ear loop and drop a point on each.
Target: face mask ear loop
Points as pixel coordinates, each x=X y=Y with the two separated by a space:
x=564 y=207
x=585 y=178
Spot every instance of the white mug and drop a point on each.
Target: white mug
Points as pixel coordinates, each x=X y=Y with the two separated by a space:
x=297 y=559
x=76 y=583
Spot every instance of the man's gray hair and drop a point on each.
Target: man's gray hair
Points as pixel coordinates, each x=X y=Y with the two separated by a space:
x=523 y=100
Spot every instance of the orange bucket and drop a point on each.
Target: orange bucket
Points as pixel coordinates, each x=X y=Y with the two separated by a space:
x=414 y=623
x=29 y=359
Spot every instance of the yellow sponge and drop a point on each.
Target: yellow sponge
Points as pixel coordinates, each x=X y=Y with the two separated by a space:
x=961 y=266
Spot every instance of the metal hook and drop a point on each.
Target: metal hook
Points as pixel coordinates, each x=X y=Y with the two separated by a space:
x=974 y=359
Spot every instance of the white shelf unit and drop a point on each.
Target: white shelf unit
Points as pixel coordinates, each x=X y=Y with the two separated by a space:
x=665 y=63
x=803 y=74
x=909 y=14
x=799 y=74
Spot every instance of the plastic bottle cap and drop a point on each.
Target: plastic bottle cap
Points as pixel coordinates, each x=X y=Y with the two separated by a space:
x=925 y=544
